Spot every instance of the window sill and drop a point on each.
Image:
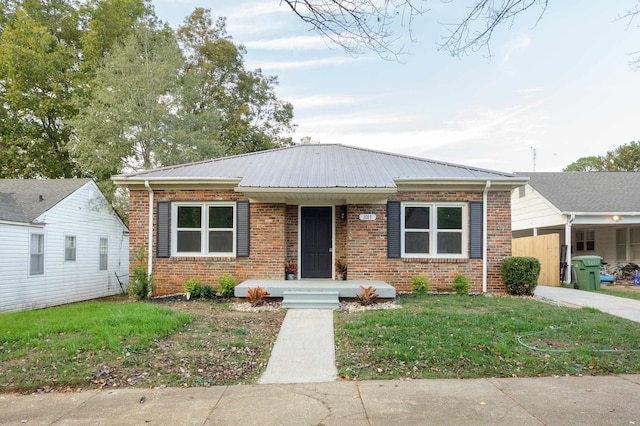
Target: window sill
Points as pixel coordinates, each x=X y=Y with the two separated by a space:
x=435 y=259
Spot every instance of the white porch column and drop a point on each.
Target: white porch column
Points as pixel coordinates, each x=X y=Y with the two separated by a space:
x=567 y=241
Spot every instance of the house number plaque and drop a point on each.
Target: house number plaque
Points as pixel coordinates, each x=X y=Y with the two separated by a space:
x=364 y=216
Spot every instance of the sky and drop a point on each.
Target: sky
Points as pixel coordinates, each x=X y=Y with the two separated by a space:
x=551 y=91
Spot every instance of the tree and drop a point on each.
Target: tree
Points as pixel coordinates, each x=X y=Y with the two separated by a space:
x=252 y=117
x=39 y=59
x=625 y=158
x=370 y=24
x=141 y=114
x=585 y=164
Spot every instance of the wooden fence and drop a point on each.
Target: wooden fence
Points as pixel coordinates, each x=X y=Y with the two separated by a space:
x=546 y=248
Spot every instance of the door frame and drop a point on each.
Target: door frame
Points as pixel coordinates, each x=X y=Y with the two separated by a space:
x=333 y=238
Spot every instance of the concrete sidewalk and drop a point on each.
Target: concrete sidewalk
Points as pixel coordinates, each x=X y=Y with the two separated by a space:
x=618 y=306
x=601 y=400
x=304 y=351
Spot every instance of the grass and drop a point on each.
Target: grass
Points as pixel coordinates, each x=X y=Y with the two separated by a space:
x=621 y=293
x=65 y=344
x=470 y=337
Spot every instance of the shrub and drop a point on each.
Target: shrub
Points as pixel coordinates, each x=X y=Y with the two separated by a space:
x=367 y=296
x=207 y=292
x=193 y=287
x=520 y=275
x=226 y=285
x=257 y=296
x=461 y=285
x=142 y=286
x=420 y=284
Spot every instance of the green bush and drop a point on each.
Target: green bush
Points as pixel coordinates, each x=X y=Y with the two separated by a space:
x=226 y=285
x=207 y=292
x=461 y=285
x=420 y=284
x=142 y=285
x=520 y=275
x=193 y=287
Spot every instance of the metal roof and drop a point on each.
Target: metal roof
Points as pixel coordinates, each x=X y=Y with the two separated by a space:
x=318 y=166
x=589 y=192
x=23 y=200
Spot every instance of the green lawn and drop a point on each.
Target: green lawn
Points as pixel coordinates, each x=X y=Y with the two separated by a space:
x=621 y=293
x=66 y=343
x=466 y=337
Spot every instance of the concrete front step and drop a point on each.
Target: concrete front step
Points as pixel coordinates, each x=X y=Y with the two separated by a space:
x=301 y=299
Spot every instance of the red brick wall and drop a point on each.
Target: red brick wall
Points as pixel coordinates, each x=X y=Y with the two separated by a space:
x=361 y=244
x=267 y=241
x=367 y=247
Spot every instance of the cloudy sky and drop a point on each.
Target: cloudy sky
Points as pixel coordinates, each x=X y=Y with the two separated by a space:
x=560 y=87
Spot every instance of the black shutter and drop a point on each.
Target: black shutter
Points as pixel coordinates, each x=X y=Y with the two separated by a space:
x=242 y=228
x=393 y=229
x=163 y=229
x=475 y=229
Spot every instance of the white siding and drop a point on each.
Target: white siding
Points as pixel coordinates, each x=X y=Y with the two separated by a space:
x=533 y=211
x=86 y=215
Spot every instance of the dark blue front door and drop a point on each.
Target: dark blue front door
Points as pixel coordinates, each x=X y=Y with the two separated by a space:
x=316 y=242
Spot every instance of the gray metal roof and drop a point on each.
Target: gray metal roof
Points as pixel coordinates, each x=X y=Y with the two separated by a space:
x=23 y=200
x=589 y=192
x=319 y=166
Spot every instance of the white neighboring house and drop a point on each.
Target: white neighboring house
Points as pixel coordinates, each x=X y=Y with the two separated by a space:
x=60 y=242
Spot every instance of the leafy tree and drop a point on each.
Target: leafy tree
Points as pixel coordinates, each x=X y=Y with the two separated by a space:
x=141 y=113
x=585 y=164
x=623 y=158
x=252 y=117
x=39 y=59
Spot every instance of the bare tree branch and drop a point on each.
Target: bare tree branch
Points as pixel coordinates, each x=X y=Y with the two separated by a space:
x=629 y=16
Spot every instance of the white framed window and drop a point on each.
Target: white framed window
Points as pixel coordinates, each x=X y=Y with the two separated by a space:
x=69 y=248
x=434 y=230
x=203 y=229
x=585 y=240
x=104 y=254
x=36 y=251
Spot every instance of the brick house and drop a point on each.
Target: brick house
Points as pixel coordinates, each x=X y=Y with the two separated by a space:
x=387 y=216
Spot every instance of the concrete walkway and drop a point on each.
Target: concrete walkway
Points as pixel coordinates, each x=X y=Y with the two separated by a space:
x=304 y=351
x=600 y=400
x=618 y=306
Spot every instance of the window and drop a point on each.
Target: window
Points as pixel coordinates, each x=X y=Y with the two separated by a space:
x=434 y=230
x=36 y=249
x=69 y=247
x=585 y=241
x=621 y=244
x=204 y=229
x=104 y=254
x=634 y=244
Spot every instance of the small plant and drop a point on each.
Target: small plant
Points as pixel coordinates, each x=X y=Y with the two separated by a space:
x=142 y=286
x=367 y=296
x=341 y=267
x=420 y=284
x=290 y=267
x=192 y=288
x=520 y=275
x=226 y=286
x=257 y=296
x=207 y=292
x=461 y=285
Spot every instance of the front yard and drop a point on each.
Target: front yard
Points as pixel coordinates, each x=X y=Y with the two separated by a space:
x=119 y=343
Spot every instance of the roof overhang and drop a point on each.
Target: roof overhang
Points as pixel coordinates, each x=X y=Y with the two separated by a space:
x=497 y=184
x=138 y=182
x=603 y=218
x=324 y=195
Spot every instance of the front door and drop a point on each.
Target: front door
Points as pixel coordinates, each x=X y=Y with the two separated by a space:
x=316 y=243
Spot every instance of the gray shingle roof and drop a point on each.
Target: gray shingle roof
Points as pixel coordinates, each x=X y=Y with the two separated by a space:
x=589 y=192
x=23 y=200
x=319 y=166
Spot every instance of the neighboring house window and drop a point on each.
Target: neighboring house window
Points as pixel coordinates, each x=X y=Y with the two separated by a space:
x=585 y=241
x=621 y=244
x=204 y=229
x=36 y=249
x=69 y=247
x=434 y=230
x=104 y=253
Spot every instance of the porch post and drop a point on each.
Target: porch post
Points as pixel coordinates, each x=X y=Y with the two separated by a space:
x=567 y=241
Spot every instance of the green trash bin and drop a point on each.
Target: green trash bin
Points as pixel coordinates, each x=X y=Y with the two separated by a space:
x=587 y=271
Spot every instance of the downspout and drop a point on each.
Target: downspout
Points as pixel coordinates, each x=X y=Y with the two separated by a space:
x=484 y=235
x=150 y=255
x=567 y=241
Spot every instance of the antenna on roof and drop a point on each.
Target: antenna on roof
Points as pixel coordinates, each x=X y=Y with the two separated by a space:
x=533 y=152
